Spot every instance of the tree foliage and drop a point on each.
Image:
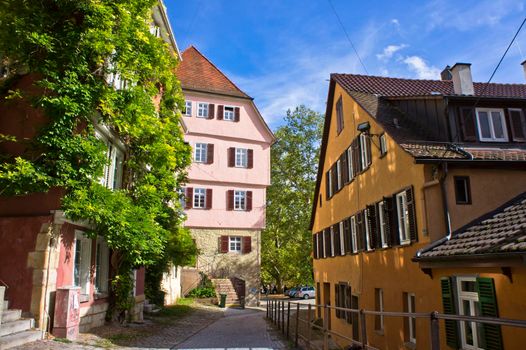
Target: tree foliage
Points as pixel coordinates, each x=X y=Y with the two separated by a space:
x=69 y=47
x=286 y=241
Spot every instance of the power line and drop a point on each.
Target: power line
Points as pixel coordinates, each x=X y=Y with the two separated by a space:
x=348 y=37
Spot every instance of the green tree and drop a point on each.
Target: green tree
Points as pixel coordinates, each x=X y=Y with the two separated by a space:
x=286 y=241
x=67 y=48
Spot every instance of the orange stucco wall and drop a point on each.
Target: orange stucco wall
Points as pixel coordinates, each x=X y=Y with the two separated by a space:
x=392 y=269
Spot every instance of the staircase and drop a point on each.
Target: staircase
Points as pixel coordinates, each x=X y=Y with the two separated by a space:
x=15 y=330
x=225 y=286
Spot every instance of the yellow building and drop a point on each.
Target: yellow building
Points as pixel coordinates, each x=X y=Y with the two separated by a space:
x=409 y=170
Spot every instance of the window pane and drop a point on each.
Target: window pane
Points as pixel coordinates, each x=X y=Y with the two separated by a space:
x=484 y=125
x=498 y=128
x=468 y=286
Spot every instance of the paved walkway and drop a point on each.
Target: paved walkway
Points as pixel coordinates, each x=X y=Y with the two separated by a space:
x=239 y=329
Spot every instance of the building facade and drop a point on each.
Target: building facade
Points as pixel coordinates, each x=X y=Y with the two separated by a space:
x=225 y=196
x=407 y=168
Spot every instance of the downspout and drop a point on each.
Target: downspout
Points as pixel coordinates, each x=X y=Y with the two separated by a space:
x=445 y=200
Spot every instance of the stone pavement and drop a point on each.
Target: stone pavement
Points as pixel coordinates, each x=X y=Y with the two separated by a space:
x=239 y=329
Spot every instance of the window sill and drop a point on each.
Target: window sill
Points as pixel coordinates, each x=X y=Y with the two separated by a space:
x=84 y=298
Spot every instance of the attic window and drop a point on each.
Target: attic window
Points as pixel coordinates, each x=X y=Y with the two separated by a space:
x=462 y=190
x=491 y=125
x=339 y=115
x=228 y=113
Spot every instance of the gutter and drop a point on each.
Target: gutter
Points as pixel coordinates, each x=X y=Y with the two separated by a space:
x=445 y=201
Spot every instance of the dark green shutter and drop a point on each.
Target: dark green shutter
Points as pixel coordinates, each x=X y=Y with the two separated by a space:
x=448 y=303
x=413 y=231
x=488 y=307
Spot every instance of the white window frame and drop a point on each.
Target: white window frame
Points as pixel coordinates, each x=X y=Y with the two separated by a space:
x=473 y=299
x=333 y=253
x=354 y=234
x=199 y=198
x=493 y=138
x=381 y=218
x=201 y=152
x=364 y=154
x=329 y=174
x=102 y=256
x=240 y=200
x=187 y=108
x=383 y=145
x=202 y=109
x=342 y=239
x=241 y=158
x=402 y=212
x=155 y=30
x=84 y=273
x=113 y=169
x=234 y=244
x=412 y=320
x=231 y=115
x=368 y=246
x=324 y=251
x=349 y=163
x=339 y=174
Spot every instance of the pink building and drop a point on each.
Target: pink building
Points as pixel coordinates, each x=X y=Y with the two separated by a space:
x=225 y=194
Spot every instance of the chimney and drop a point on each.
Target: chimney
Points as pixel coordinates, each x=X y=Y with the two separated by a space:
x=462 y=81
x=523 y=64
x=446 y=73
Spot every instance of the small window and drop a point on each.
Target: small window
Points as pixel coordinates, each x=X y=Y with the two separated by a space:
x=228 y=113
x=491 y=125
x=462 y=190
x=199 y=197
x=241 y=157
x=188 y=108
x=517 y=124
x=403 y=217
x=200 y=152
x=383 y=145
x=364 y=151
x=202 y=110
x=339 y=115
x=468 y=304
x=379 y=307
x=240 y=200
x=382 y=224
x=234 y=244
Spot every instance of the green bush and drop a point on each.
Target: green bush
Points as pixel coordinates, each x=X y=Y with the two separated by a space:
x=202 y=292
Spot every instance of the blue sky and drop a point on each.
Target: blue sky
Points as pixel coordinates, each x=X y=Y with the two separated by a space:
x=281 y=52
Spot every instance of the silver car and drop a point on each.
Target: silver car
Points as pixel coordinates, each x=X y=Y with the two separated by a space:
x=305 y=293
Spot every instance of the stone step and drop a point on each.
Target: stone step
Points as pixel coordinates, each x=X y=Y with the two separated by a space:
x=12 y=340
x=11 y=315
x=16 y=326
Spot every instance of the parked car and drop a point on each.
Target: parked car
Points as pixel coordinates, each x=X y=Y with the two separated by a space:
x=305 y=293
x=291 y=292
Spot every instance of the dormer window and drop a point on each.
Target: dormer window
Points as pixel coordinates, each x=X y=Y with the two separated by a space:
x=491 y=125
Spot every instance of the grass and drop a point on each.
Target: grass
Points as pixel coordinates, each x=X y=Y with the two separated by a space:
x=182 y=308
x=62 y=340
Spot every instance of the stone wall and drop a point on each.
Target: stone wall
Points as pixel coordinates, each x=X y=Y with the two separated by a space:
x=227 y=265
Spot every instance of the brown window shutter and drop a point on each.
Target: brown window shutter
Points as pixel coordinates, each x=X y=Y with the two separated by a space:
x=249 y=200
x=231 y=157
x=334 y=174
x=247 y=245
x=327 y=185
x=517 y=124
x=220 y=109
x=336 y=238
x=372 y=226
x=356 y=157
x=250 y=160
x=327 y=236
x=413 y=231
x=369 y=150
x=189 y=198
x=345 y=167
x=394 y=235
x=223 y=244
x=211 y=109
x=347 y=235
x=237 y=113
x=466 y=118
x=208 y=198
x=230 y=200
x=209 y=153
x=360 y=217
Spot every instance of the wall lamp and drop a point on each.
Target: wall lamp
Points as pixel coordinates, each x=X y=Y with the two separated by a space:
x=364 y=128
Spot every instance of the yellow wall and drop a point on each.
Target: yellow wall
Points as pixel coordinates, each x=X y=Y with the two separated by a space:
x=392 y=269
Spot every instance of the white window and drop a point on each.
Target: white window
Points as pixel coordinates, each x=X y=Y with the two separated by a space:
x=364 y=151
x=240 y=200
x=202 y=110
x=228 y=113
x=342 y=239
x=383 y=228
x=102 y=260
x=199 y=197
x=241 y=157
x=181 y=193
x=155 y=30
x=368 y=245
x=383 y=145
x=82 y=263
x=329 y=178
x=403 y=217
x=188 y=108
x=323 y=233
x=411 y=301
x=339 y=173
x=234 y=244
x=349 y=162
x=491 y=125
x=354 y=234
x=333 y=253
x=200 y=152
x=468 y=302
x=112 y=175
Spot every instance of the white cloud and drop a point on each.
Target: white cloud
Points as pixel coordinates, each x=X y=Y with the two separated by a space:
x=389 y=51
x=421 y=68
x=395 y=22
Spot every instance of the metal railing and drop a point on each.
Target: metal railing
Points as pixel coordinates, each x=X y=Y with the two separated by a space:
x=280 y=312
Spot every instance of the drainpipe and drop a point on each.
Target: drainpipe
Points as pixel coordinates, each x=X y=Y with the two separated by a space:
x=445 y=200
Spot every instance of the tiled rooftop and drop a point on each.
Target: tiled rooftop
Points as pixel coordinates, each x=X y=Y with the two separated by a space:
x=502 y=231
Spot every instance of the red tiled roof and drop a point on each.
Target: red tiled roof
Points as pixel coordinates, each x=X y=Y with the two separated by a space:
x=385 y=86
x=196 y=72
